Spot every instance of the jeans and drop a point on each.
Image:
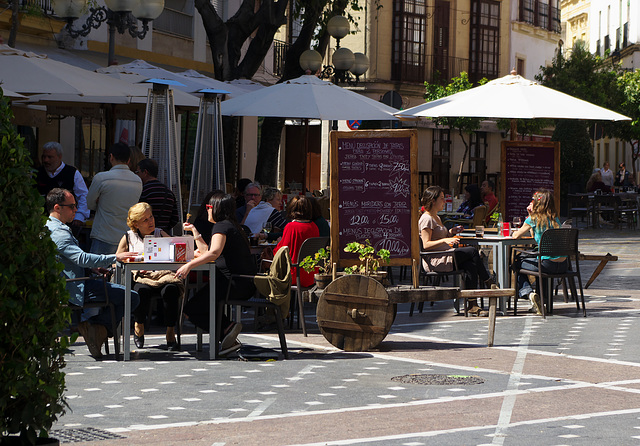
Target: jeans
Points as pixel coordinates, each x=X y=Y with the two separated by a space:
x=531 y=264
x=94 y=292
x=100 y=247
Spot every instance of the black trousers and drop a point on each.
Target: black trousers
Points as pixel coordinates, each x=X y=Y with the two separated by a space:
x=170 y=294
x=197 y=308
x=468 y=259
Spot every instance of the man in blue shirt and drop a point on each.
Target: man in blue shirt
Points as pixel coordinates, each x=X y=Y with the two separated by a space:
x=62 y=207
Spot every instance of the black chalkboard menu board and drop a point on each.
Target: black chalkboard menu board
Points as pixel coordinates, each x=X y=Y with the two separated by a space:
x=526 y=167
x=374 y=193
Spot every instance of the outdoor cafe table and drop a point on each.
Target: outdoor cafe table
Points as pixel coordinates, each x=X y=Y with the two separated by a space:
x=500 y=248
x=127 y=268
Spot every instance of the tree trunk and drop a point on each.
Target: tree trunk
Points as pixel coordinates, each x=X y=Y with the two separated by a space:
x=15 y=22
x=464 y=158
x=267 y=164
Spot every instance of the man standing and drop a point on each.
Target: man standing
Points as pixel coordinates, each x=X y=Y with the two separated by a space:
x=61 y=206
x=157 y=195
x=623 y=177
x=253 y=197
x=607 y=174
x=54 y=173
x=489 y=198
x=111 y=194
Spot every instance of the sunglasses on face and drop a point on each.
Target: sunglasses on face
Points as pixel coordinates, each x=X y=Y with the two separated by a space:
x=208 y=206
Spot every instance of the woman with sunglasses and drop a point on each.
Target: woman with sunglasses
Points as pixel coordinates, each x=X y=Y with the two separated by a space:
x=542 y=216
x=230 y=249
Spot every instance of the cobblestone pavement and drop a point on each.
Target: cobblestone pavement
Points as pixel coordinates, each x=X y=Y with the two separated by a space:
x=566 y=380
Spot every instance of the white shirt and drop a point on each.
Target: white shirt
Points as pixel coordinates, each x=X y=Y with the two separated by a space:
x=79 y=190
x=258 y=216
x=111 y=194
x=607 y=176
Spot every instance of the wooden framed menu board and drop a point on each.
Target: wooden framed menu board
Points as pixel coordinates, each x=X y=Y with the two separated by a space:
x=374 y=193
x=526 y=167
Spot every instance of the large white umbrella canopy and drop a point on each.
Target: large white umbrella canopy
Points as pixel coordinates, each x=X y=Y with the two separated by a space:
x=307 y=97
x=512 y=97
x=190 y=83
x=28 y=73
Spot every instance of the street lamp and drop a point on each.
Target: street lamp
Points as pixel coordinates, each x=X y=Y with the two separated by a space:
x=347 y=67
x=120 y=15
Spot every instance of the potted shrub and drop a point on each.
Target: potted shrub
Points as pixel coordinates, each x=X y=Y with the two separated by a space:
x=33 y=304
x=369 y=259
x=322 y=261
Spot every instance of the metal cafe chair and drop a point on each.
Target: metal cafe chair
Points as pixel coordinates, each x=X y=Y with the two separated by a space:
x=100 y=304
x=560 y=242
x=308 y=248
x=432 y=277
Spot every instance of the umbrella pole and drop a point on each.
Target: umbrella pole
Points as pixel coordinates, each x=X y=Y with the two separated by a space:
x=306 y=155
x=514 y=129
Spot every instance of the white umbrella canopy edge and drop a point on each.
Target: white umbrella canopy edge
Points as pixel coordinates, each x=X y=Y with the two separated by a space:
x=308 y=97
x=512 y=97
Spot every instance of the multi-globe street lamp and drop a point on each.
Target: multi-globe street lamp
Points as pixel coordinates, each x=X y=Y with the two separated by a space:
x=347 y=67
x=120 y=15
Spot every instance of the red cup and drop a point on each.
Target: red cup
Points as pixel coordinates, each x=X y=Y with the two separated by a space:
x=505 y=229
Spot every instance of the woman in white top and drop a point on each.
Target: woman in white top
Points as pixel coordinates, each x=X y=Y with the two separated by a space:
x=147 y=283
x=436 y=237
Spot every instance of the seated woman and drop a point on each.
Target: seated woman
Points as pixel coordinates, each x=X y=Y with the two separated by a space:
x=435 y=237
x=472 y=200
x=147 y=283
x=318 y=219
x=595 y=183
x=300 y=228
x=542 y=216
x=230 y=249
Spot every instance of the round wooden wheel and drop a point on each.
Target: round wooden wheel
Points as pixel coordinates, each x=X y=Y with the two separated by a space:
x=354 y=313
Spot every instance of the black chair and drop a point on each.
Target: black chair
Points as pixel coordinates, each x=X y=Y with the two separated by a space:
x=431 y=277
x=560 y=242
x=258 y=301
x=308 y=248
x=580 y=206
x=100 y=304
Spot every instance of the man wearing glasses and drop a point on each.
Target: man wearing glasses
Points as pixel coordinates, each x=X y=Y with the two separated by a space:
x=61 y=205
x=252 y=197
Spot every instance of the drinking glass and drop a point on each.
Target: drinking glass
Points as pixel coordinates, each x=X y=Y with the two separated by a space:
x=267 y=227
x=479 y=231
x=516 y=222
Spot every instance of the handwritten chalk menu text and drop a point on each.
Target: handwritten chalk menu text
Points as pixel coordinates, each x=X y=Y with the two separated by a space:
x=526 y=167
x=373 y=175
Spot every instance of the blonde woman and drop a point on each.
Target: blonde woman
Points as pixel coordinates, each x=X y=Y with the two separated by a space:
x=542 y=216
x=147 y=283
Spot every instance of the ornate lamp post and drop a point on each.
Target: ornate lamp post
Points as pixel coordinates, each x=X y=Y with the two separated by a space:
x=347 y=67
x=120 y=15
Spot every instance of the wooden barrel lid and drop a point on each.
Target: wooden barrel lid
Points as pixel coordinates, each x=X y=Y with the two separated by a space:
x=354 y=313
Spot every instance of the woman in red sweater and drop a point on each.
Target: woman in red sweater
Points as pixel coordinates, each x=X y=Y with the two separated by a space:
x=300 y=228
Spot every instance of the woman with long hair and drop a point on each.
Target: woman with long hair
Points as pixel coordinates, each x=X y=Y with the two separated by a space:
x=472 y=199
x=436 y=237
x=230 y=249
x=148 y=283
x=542 y=216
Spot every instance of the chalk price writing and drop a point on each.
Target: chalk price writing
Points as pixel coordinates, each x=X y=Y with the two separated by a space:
x=386 y=219
x=400 y=167
x=358 y=220
x=395 y=247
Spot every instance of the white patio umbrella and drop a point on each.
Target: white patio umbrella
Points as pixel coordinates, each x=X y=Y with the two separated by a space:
x=30 y=73
x=11 y=94
x=190 y=83
x=512 y=97
x=308 y=97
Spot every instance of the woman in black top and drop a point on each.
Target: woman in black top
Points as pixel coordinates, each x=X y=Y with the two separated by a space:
x=229 y=248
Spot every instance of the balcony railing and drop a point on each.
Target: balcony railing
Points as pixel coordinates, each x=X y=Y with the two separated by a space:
x=175 y=22
x=280 y=49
